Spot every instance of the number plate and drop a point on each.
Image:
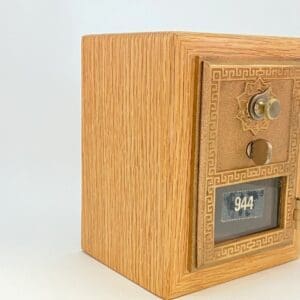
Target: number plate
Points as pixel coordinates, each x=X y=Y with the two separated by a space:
x=246 y=204
x=246 y=208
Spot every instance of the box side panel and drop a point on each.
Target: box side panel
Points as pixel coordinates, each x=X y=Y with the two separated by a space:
x=126 y=121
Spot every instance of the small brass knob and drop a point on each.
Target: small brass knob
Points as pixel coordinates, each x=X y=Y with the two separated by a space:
x=264 y=106
x=260 y=151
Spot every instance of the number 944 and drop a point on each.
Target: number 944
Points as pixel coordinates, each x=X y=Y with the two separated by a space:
x=243 y=203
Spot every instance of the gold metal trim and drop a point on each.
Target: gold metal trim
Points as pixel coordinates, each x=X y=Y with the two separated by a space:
x=207 y=251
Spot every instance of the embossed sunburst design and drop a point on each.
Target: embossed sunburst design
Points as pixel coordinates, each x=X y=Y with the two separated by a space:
x=251 y=89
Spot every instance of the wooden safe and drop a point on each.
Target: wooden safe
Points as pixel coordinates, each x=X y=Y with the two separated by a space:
x=190 y=156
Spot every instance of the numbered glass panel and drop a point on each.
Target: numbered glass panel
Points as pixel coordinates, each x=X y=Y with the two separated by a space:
x=247 y=208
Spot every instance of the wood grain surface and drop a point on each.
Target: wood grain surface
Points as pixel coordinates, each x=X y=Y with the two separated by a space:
x=140 y=114
x=127 y=168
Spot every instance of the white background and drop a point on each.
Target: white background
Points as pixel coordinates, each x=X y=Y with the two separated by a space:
x=40 y=169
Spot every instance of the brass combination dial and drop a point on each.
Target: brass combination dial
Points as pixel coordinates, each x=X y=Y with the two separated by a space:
x=264 y=106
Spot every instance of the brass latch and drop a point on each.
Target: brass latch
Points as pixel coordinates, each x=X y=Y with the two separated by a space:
x=260 y=151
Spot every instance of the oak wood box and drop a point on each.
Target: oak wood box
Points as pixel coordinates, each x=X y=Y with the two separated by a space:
x=164 y=126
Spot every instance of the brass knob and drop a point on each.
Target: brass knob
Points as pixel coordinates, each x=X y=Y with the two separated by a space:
x=264 y=106
x=260 y=151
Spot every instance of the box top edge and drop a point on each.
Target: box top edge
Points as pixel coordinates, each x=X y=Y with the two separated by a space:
x=190 y=34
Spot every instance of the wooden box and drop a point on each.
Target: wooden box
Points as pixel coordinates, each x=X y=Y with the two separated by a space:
x=166 y=128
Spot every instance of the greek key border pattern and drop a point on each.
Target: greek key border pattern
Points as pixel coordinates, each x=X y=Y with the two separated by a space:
x=249 y=72
x=214 y=253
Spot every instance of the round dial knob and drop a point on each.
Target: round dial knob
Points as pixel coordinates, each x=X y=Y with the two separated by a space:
x=264 y=106
x=260 y=151
x=272 y=109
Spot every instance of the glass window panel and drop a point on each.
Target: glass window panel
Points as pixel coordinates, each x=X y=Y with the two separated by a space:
x=247 y=208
